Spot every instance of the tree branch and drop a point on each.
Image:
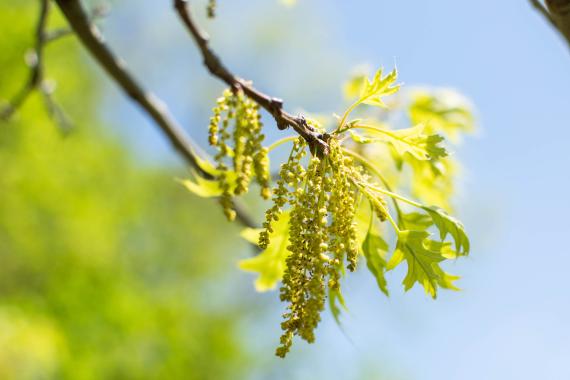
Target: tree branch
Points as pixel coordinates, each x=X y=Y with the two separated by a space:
x=92 y=39
x=317 y=141
x=557 y=15
x=35 y=62
x=36 y=78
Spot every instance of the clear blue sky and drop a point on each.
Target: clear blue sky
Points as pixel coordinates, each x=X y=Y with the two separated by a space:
x=512 y=319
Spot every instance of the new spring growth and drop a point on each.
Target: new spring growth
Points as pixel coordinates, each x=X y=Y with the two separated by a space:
x=211 y=8
x=322 y=233
x=236 y=132
x=322 y=195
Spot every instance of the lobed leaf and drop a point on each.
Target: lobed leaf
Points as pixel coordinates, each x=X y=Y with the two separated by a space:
x=412 y=140
x=269 y=264
x=375 y=249
x=416 y=221
x=207 y=188
x=336 y=303
x=445 y=111
x=423 y=257
x=415 y=142
x=446 y=224
x=373 y=91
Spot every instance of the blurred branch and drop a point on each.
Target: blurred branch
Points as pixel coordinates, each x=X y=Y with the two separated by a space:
x=98 y=12
x=91 y=38
x=35 y=81
x=557 y=14
x=274 y=106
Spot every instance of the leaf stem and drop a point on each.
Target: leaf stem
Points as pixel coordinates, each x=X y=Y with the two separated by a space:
x=377 y=173
x=345 y=116
x=281 y=142
x=397 y=196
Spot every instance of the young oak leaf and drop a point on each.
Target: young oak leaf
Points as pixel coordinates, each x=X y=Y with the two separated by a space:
x=444 y=111
x=416 y=221
x=433 y=181
x=415 y=142
x=375 y=249
x=423 y=259
x=269 y=264
x=353 y=87
x=372 y=92
x=409 y=140
x=446 y=224
x=206 y=188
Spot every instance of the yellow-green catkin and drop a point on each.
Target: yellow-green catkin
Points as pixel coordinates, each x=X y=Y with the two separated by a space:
x=291 y=174
x=342 y=206
x=307 y=265
x=236 y=120
x=322 y=235
x=211 y=8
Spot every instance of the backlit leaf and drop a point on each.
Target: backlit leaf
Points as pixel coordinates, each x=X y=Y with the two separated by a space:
x=269 y=264
x=375 y=249
x=423 y=258
x=447 y=224
x=412 y=140
x=373 y=91
x=207 y=188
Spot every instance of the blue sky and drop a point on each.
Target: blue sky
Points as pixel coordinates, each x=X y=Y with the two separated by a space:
x=511 y=319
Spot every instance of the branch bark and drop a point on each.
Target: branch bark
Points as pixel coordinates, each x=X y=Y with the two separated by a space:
x=557 y=13
x=92 y=39
x=317 y=141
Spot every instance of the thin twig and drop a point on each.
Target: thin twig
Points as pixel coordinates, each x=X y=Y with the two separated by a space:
x=98 y=12
x=92 y=39
x=36 y=78
x=317 y=141
x=35 y=62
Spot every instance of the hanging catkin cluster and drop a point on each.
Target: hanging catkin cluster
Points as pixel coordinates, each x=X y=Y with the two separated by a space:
x=236 y=120
x=211 y=8
x=322 y=234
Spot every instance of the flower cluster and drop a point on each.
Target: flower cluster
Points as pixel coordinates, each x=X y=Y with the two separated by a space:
x=322 y=233
x=248 y=157
x=211 y=8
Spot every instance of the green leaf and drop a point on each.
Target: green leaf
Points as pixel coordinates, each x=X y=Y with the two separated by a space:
x=415 y=142
x=444 y=111
x=207 y=166
x=373 y=91
x=432 y=182
x=336 y=303
x=416 y=221
x=446 y=224
x=353 y=87
x=423 y=258
x=269 y=264
x=358 y=138
x=410 y=140
x=375 y=249
x=208 y=188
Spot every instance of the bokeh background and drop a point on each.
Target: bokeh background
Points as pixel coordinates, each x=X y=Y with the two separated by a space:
x=110 y=269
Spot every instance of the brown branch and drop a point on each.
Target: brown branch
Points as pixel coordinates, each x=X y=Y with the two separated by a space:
x=36 y=78
x=317 y=141
x=98 y=12
x=35 y=62
x=542 y=10
x=92 y=39
x=557 y=13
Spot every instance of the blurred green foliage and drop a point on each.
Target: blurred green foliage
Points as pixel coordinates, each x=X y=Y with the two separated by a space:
x=103 y=263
